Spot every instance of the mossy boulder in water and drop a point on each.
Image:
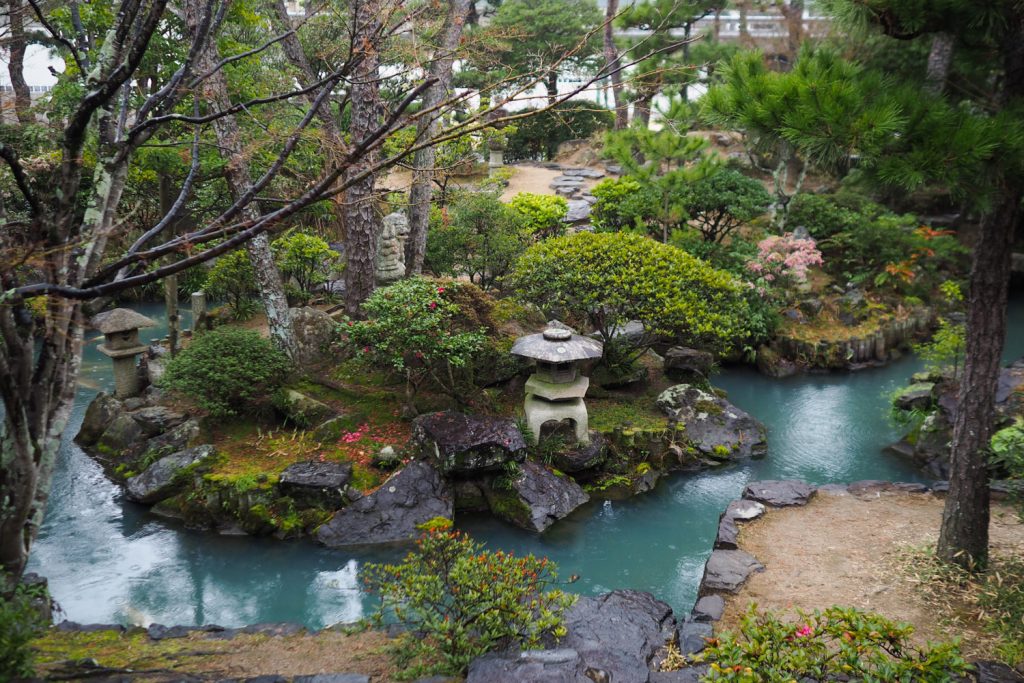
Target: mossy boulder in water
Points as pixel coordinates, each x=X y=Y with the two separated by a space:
x=165 y=477
x=534 y=498
x=98 y=416
x=715 y=427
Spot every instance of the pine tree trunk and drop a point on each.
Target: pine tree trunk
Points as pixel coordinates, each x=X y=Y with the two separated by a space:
x=611 y=60
x=427 y=128
x=551 y=83
x=793 y=11
x=236 y=173
x=963 y=539
x=361 y=220
x=940 y=58
x=16 y=65
x=642 y=109
x=334 y=143
x=745 y=39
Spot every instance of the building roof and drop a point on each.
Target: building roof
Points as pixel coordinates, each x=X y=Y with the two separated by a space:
x=556 y=345
x=121 y=320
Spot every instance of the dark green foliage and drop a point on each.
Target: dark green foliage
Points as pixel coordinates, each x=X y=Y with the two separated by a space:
x=306 y=259
x=537 y=137
x=233 y=280
x=825 y=215
x=20 y=622
x=603 y=280
x=227 y=371
x=466 y=600
x=623 y=204
x=838 y=643
x=719 y=203
x=478 y=236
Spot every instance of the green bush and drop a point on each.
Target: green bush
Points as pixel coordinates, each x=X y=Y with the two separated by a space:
x=622 y=204
x=1008 y=452
x=227 y=370
x=20 y=622
x=721 y=202
x=837 y=644
x=306 y=259
x=233 y=280
x=537 y=137
x=467 y=601
x=824 y=215
x=602 y=280
x=540 y=215
x=478 y=236
x=411 y=328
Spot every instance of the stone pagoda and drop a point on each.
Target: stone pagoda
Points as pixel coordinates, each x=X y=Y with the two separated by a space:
x=120 y=328
x=556 y=390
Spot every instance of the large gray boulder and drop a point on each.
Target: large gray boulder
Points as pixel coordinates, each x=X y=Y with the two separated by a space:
x=316 y=484
x=715 y=427
x=467 y=444
x=535 y=498
x=620 y=633
x=122 y=435
x=533 y=666
x=412 y=496
x=301 y=410
x=686 y=365
x=98 y=416
x=173 y=440
x=780 y=492
x=583 y=456
x=157 y=419
x=727 y=570
x=164 y=478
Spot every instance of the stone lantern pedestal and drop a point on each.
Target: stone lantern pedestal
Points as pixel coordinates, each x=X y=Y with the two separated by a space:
x=120 y=328
x=555 y=391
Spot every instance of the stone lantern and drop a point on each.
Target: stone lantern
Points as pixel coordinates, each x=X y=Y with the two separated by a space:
x=556 y=390
x=120 y=328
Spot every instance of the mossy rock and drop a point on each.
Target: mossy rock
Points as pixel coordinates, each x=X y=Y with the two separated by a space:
x=301 y=410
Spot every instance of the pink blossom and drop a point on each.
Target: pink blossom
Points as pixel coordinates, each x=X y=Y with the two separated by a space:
x=804 y=631
x=440 y=290
x=433 y=305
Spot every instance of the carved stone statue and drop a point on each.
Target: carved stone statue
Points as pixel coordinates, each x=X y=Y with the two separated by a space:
x=391 y=249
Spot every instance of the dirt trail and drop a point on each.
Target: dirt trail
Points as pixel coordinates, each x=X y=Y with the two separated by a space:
x=845 y=550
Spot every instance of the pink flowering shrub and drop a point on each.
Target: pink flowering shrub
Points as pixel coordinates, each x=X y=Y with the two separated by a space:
x=782 y=261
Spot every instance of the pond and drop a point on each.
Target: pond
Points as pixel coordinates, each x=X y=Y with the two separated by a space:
x=108 y=560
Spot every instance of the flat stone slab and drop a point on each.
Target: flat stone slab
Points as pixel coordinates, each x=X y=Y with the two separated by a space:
x=692 y=637
x=579 y=210
x=315 y=483
x=709 y=608
x=162 y=479
x=728 y=570
x=780 y=493
x=414 y=495
x=332 y=678
x=542 y=666
x=157 y=419
x=737 y=511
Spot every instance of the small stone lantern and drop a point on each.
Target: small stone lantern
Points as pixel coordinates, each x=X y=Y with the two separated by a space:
x=556 y=390
x=120 y=328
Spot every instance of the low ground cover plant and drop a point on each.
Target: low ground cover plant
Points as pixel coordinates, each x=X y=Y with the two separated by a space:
x=839 y=643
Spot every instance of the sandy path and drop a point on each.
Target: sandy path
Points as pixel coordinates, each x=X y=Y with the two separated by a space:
x=842 y=550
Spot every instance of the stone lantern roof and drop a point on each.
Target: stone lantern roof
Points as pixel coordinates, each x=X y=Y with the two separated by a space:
x=557 y=345
x=121 y=320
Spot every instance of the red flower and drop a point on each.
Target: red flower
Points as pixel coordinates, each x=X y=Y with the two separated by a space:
x=433 y=305
x=440 y=290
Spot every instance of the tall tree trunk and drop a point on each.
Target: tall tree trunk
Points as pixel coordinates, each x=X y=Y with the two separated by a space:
x=963 y=538
x=16 y=45
x=428 y=128
x=642 y=108
x=361 y=220
x=236 y=172
x=551 y=83
x=611 y=60
x=716 y=28
x=940 y=58
x=793 y=11
x=745 y=39
x=334 y=143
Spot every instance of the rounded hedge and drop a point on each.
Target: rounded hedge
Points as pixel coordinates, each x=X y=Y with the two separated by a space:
x=227 y=370
x=604 y=280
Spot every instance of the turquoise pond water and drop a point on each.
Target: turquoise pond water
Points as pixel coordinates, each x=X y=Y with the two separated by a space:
x=108 y=560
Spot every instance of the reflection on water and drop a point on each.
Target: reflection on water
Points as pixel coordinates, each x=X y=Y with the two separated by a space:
x=108 y=560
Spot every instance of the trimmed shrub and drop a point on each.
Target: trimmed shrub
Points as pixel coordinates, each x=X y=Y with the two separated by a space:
x=537 y=137
x=233 y=280
x=306 y=259
x=465 y=600
x=227 y=371
x=724 y=200
x=540 y=215
x=622 y=204
x=602 y=280
x=478 y=236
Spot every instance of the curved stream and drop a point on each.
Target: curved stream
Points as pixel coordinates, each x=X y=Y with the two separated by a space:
x=108 y=560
